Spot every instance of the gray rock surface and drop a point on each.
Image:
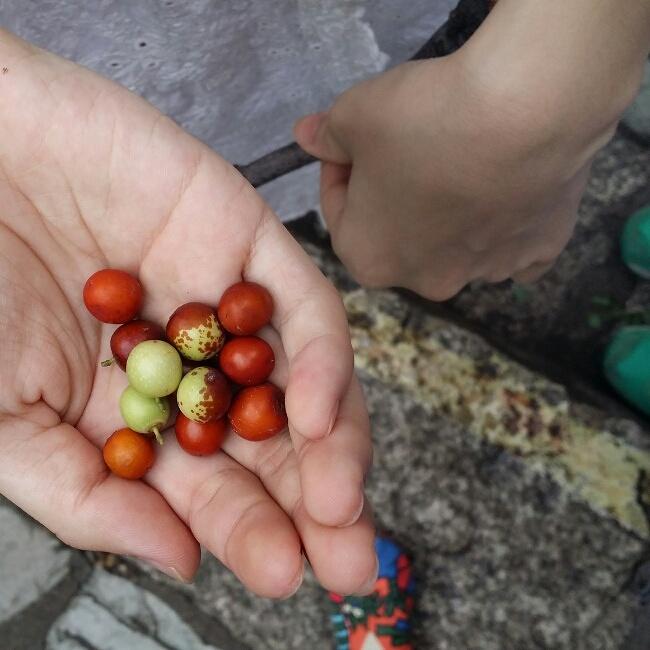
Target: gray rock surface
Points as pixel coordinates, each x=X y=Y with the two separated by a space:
x=236 y=74
x=111 y=613
x=32 y=561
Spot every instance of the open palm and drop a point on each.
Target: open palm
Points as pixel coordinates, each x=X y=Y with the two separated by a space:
x=92 y=176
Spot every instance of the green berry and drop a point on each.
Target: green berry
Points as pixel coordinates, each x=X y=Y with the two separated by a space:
x=204 y=394
x=154 y=368
x=144 y=414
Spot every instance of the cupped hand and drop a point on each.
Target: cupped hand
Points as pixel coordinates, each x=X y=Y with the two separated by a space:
x=91 y=176
x=431 y=178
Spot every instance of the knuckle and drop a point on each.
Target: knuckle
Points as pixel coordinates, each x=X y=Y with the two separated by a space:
x=368 y=272
x=444 y=288
x=336 y=119
x=278 y=459
x=68 y=536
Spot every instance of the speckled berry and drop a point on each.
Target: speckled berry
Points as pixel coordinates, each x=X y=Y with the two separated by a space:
x=195 y=332
x=204 y=394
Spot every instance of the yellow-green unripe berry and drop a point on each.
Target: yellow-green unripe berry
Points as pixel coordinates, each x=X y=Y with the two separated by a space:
x=154 y=368
x=144 y=414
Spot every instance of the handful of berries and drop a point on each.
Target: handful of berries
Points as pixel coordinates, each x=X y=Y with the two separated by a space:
x=209 y=357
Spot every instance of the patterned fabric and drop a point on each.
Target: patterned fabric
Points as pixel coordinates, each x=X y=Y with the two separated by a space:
x=380 y=621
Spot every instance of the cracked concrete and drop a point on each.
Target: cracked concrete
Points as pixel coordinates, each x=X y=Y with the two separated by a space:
x=111 y=613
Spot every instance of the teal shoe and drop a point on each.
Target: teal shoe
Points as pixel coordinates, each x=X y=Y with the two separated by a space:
x=635 y=243
x=627 y=364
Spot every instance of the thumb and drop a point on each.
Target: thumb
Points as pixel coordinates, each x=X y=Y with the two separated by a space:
x=58 y=477
x=314 y=134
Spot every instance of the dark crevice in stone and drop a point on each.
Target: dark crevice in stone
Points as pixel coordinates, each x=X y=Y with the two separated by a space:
x=132 y=624
x=639 y=583
x=27 y=629
x=634 y=136
x=627 y=586
x=79 y=640
x=642 y=495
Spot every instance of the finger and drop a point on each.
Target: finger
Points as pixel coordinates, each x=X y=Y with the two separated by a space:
x=332 y=470
x=334 y=181
x=533 y=273
x=312 y=323
x=59 y=478
x=316 y=136
x=319 y=484
x=344 y=558
x=233 y=517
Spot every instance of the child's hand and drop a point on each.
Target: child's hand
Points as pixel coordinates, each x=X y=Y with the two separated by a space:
x=92 y=176
x=472 y=166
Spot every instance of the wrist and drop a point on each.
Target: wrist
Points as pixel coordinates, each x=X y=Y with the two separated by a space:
x=563 y=69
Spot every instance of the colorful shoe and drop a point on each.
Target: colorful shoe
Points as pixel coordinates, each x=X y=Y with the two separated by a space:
x=382 y=620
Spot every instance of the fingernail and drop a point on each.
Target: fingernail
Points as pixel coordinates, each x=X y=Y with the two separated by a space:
x=308 y=132
x=369 y=586
x=170 y=571
x=357 y=514
x=297 y=584
x=333 y=416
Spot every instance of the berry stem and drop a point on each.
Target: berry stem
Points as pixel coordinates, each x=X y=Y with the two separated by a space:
x=156 y=432
x=107 y=362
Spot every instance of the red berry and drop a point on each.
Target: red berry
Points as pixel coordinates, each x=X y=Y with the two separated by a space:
x=247 y=360
x=200 y=438
x=195 y=332
x=245 y=308
x=258 y=413
x=127 y=336
x=129 y=454
x=113 y=296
